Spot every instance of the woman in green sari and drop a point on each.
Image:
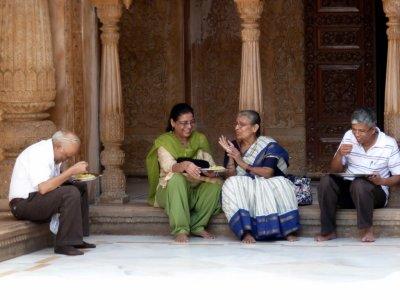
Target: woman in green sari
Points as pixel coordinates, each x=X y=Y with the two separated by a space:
x=189 y=197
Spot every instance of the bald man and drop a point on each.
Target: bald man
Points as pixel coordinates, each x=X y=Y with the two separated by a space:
x=38 y=190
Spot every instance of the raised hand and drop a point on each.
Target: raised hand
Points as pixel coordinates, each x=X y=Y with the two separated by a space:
x=224 y=142
x=345 y=149
x=79 y=167
x=230 y=148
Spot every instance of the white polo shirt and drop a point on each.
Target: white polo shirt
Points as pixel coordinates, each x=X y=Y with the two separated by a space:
x=383 y=157
x=33 y=166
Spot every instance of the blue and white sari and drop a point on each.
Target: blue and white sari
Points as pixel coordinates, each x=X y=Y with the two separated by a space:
x=267 y=208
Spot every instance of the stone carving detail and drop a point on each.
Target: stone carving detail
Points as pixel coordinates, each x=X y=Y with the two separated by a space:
x=250 y=83
x=113 y=183
x=215 y=72
x=392 y=93
x=332 y=88
x=339 y=3
x=338 y=84
x=339 y=39
x=151 y=52
x=27 y=80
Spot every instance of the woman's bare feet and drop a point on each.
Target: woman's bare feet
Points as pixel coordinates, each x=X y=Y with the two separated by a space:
x=181 y=238
x=204 y=234
x=291 y=238
x=367 y=235
x=325 y=237
x=248 y=239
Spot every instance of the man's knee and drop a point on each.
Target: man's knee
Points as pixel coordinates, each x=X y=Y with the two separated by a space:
x=359 y=186
x=70 y=192
x=325 y=182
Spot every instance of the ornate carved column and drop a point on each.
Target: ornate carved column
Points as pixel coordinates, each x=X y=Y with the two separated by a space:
x=27 y=81
x=113 y=182
x=392 y=90
x=250 y=82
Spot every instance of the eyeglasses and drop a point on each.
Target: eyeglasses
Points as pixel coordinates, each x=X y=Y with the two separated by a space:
x=186 y=123
x=361 y=131
x=241 y=125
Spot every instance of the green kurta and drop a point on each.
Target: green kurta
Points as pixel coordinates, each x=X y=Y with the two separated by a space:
x=189 y=207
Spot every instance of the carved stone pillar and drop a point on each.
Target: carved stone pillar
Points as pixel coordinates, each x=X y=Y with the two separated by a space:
x=392 y=90
x=250 y=82
x=113 y=182
x=27 y=81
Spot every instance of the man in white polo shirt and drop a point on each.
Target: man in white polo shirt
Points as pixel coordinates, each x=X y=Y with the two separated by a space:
x=38 y=190
x=364 y=150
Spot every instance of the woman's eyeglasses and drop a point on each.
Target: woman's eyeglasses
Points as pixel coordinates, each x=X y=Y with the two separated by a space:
x=186 y=123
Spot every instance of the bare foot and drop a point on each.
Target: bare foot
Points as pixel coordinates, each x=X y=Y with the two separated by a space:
x=181 y=238
x=291 y=238
x=205 y=234
x=325 y=237
x=248 y=239
x=368 y=236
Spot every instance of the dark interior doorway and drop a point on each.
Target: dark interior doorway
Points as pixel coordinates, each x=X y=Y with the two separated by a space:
x=381 y=58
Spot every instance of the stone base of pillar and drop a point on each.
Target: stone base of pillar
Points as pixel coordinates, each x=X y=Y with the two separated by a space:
x=113 y=185
x=108 y=198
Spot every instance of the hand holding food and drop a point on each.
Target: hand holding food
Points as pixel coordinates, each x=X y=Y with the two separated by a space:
x=192 y=170
x=345 y=149
x=79 y=167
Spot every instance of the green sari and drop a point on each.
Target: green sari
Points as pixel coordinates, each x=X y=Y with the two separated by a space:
x=170 y=142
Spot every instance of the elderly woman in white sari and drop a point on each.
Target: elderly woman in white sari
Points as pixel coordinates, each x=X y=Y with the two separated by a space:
x=258 y=201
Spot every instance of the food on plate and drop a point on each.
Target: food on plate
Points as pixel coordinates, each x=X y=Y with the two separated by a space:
x=216 y=168
x=84 y=176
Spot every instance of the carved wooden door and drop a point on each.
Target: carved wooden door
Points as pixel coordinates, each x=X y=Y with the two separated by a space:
x=340 y=72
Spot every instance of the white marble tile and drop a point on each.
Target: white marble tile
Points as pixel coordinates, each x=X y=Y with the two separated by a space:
x=158 y=262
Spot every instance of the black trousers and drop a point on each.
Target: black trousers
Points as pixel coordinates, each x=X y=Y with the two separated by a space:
x=70 y=200
x=361 y=194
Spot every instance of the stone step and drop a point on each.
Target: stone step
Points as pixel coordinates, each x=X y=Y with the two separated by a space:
x=141 y=219
x=21 y=237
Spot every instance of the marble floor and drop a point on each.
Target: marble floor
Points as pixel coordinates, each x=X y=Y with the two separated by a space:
x=154 y=267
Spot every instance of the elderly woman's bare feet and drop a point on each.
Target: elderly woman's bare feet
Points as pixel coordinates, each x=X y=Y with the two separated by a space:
x=325 y=237
x=291 y=238
x=204 y=234
x=181 y=238
x=368 y=235
x=248 y=239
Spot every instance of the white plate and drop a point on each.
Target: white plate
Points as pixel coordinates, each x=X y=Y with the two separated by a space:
x=211 y=170
x=351 y=175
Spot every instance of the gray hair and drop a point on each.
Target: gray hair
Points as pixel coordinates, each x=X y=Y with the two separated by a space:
x=253 y=117
x=364 y=116
x=65 y=137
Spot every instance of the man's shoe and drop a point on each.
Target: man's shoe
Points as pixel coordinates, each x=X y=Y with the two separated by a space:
x=67 y=250
x=85 y=245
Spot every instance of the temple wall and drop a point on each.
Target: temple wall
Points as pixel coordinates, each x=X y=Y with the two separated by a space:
x=76 y=59
x=282 y=73
x=152 y=73
x=156 y=72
